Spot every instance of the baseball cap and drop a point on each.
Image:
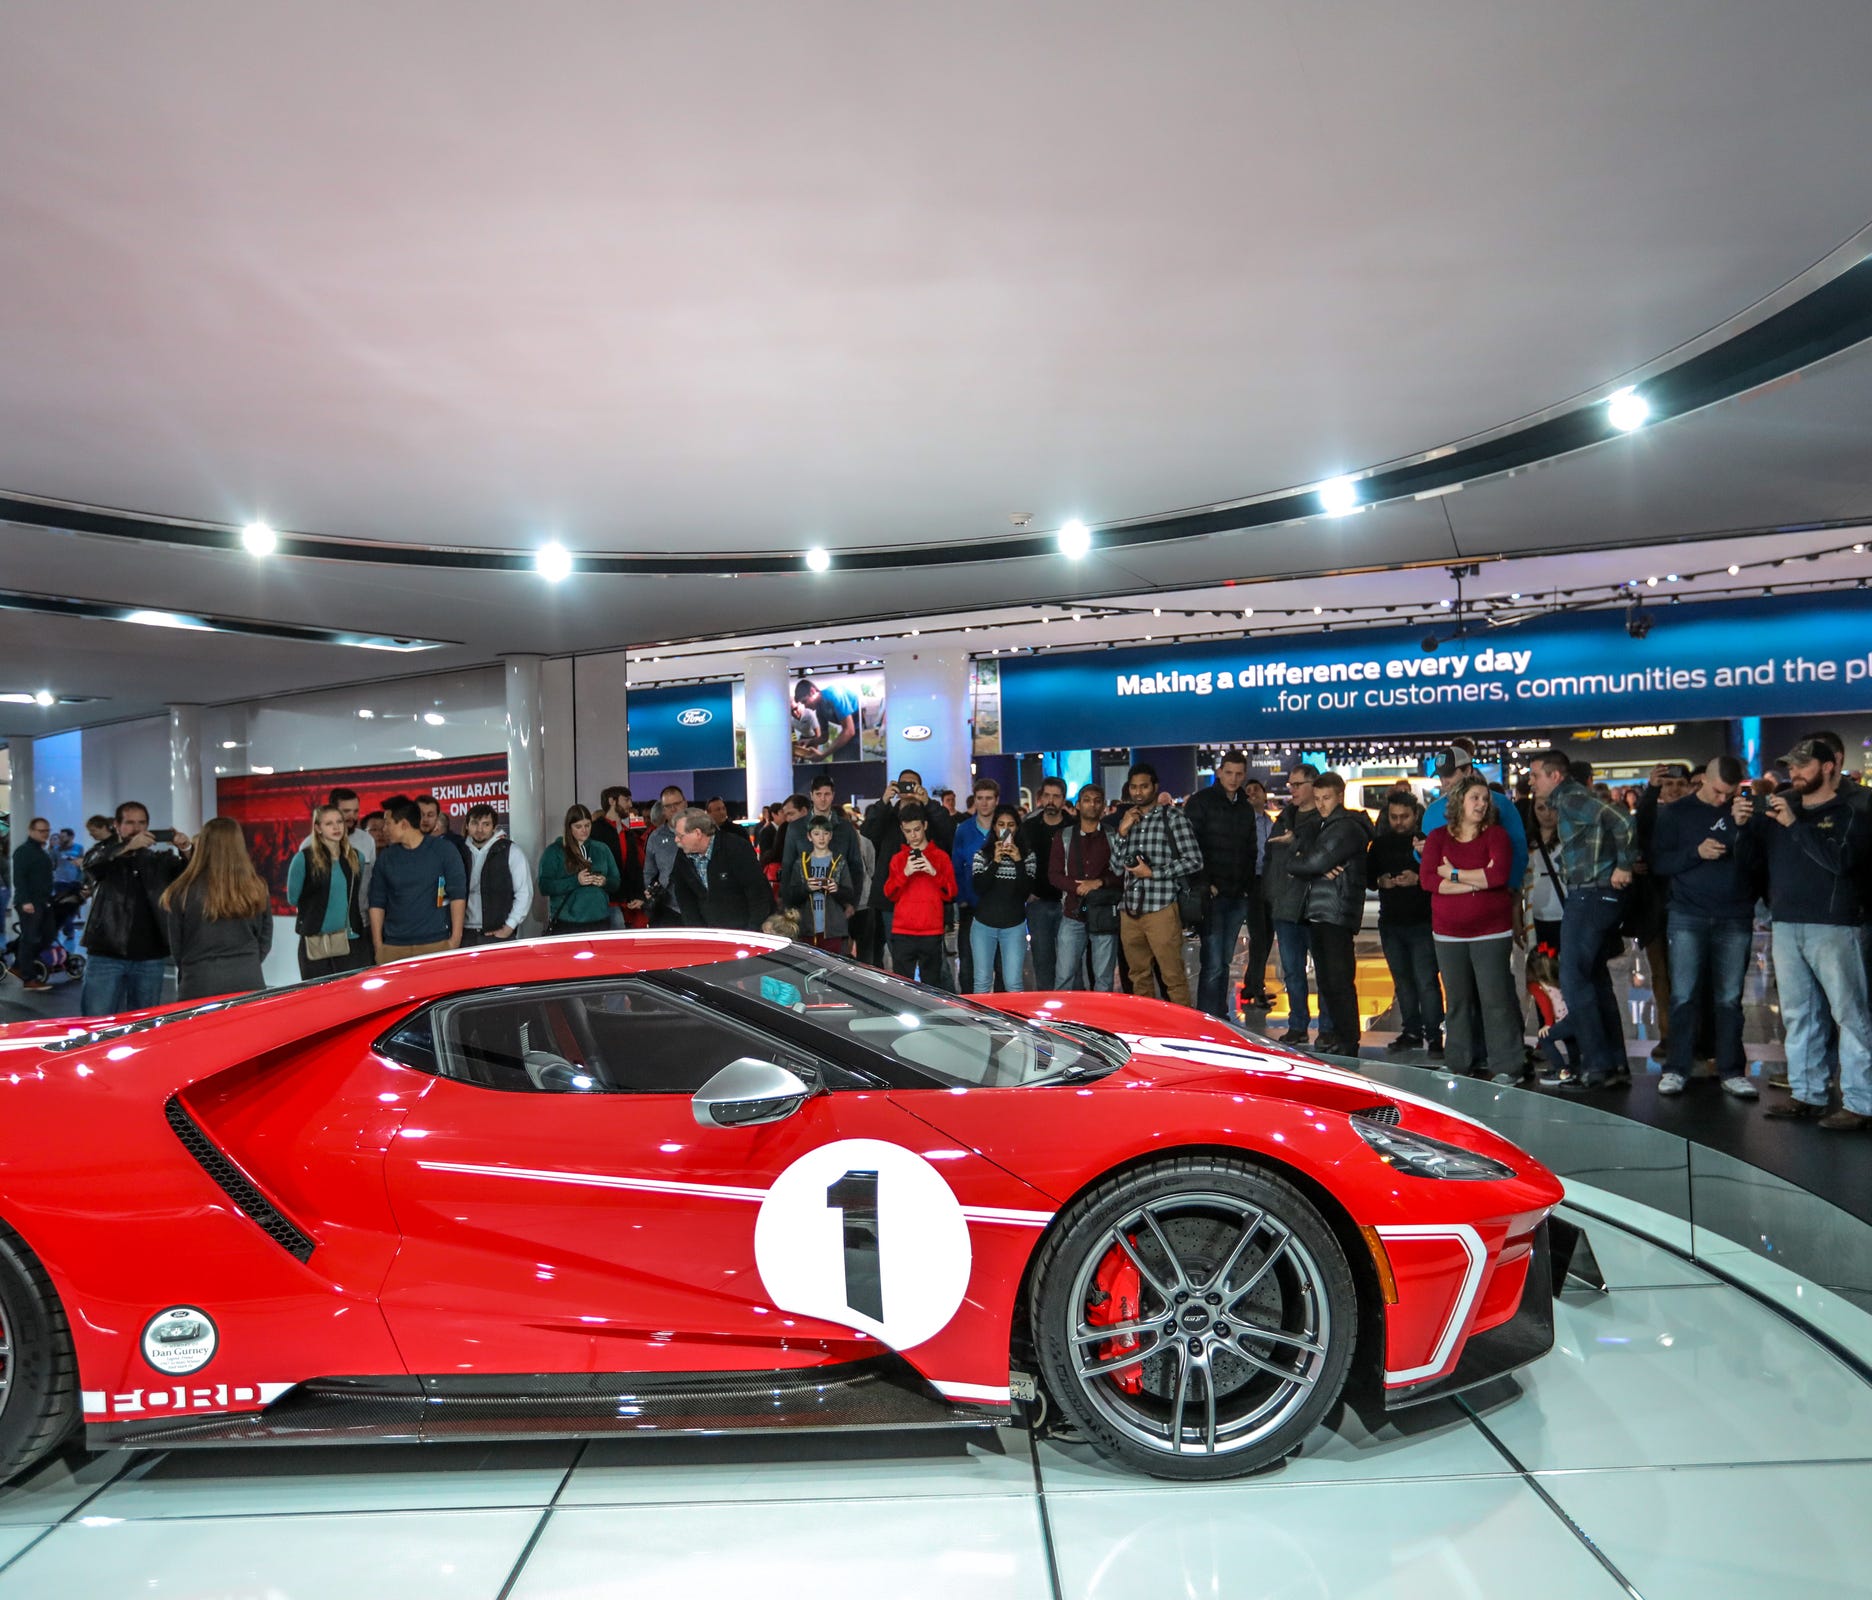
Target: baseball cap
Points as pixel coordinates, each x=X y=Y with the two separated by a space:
x=1808 y=750
x=1452 y=760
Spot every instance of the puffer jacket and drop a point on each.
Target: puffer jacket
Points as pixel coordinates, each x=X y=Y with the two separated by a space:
x=1341 y=842
x=1286 y=894
x=1230 y=835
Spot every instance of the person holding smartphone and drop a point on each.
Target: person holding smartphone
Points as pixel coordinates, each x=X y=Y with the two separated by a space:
x=919 y=884
x=819 y=881
x=1003 y=874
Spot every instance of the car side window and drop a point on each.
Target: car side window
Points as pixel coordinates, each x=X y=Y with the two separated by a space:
x=621 y=1038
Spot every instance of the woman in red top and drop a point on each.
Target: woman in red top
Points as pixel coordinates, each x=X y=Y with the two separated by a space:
x=1465 y=868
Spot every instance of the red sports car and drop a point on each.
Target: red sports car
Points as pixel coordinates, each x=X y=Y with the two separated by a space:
x=706 y=1182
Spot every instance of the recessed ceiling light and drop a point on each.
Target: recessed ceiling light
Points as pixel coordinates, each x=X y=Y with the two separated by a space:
x=167 y=619
x=45 y=697
x=1628 y=410
x=1075 y=539
x=817 y=560
x=230 y=744
x=553 y=561
x=1733 y=569
x=435 y=719
x=1337 y=496
x=1247 y=612
x=366 y=713
x=259 y=539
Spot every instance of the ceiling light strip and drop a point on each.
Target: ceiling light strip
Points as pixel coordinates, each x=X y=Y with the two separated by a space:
x=48 y=605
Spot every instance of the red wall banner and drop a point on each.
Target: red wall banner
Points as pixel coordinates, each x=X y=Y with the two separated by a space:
x=275 y=808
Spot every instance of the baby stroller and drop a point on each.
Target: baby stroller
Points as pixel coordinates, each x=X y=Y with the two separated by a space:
x=67 y=902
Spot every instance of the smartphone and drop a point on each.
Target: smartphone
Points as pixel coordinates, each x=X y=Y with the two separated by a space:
x=1747 y=791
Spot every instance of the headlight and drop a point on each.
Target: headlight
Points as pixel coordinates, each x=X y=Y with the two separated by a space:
x=1423 y=1157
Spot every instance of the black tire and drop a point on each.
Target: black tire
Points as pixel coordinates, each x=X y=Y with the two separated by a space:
x=1215 y=1398
x=38 y=1371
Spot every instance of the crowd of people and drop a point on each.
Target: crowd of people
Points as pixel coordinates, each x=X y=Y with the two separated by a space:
x=1498 y=915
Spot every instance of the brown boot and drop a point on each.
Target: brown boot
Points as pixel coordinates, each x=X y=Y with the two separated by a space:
x=1844 y=1121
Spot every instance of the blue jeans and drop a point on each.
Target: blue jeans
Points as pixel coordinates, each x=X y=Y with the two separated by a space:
x=1410 y=953
x=1011 y=943
x=1712 y=951
x=113 y=985
x=1221 y=927
x=1043 y=928
x=1295 y=946
x=1820 y=969
x=1592 y=917
x=1073 y=942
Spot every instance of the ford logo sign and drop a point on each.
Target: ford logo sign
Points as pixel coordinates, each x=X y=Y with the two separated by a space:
x=695 y=716
x=916 y=732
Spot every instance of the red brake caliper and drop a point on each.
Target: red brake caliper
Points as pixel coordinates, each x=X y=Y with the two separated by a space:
x=1117 y=1293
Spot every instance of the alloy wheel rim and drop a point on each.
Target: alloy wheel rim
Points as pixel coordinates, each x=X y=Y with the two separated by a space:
x=1232 y=1333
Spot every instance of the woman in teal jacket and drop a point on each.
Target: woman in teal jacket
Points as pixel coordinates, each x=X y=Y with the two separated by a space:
x=578 y=875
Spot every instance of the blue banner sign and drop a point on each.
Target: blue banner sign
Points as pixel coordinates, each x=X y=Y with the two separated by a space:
x=683 y=728
x=1770 y=657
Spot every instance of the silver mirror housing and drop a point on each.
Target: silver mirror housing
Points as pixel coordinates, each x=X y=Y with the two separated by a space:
x=749 y=1091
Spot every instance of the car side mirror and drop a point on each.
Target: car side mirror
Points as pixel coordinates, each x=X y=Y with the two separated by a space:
x=749 y=1091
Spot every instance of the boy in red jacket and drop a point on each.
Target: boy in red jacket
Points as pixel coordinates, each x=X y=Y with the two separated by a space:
x=920 y=884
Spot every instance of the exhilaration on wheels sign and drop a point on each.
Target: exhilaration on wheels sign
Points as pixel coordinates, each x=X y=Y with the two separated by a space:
x=1768 y=657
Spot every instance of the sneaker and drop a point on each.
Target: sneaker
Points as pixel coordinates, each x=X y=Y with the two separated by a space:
x=1618 y=1078
x=1551 y=1077
x=1294 y=1036
x=1671 y=1083
x=1572 y=1083
x=1741 y=1088
x=1796 y=1111
x=1403 y=1042
x=37 y=986
x=1433 y=1043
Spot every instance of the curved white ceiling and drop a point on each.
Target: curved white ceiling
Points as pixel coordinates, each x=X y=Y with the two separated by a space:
x=722 y=277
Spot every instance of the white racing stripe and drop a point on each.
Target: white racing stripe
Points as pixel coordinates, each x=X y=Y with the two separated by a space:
x=718 y=1191
x=1477 y=1252
x=973 y=1391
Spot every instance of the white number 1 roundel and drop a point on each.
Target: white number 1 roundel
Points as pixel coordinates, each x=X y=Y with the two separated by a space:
x=867 y=1234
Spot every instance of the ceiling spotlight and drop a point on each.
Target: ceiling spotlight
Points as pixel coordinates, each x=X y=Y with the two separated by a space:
x=45 y=697
x=1650 y=583
x=435 y=719
x=167 y=619
x=817 y=560
x=366 y=713
x=1247 y=612
x=1430 y=642
x=1075 y=539
x=1670 y=577
x=1628 y=409
x=1156 y=611
x=1337 y=496
x=1316 y=611
x=1733 y=569
x=553 y=562
x=259 y=539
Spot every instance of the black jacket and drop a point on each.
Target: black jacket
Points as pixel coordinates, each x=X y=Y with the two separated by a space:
x=629 y=861
x=32 y=875
x=841 y=893
x=738 y=894
x=1229 y=833
x=1036 y=840
x=1812 y=874
x=214 y=958
x=126 y=919
x=1286 y=894
x=1388 y=855
x=1341 y=842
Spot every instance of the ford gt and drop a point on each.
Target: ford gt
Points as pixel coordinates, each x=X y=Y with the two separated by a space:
x=702 y=1182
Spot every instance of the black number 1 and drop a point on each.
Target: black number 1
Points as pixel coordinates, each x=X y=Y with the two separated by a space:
x=855 y=1197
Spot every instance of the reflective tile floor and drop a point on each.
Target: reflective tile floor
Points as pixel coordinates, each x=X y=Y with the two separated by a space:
x=1680 y=1441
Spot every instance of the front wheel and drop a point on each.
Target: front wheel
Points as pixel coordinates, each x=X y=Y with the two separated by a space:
x=38 y=1373
x=1195 y=1318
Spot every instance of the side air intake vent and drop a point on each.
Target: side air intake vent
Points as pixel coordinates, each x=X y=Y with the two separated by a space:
x=1390 y=1116
x=233 y=1182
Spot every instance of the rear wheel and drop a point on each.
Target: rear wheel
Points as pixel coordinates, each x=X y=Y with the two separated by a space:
x=1195 y=1318
x=38 y=1371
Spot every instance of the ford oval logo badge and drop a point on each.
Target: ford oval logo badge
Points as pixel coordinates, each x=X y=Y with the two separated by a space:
x=695 y=716
x=917 y=732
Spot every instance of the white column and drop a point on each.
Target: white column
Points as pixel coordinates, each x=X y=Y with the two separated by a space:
x=926 y=702
x=768 y=710
x=24 y=800
x=526 y=754
x=185 y=768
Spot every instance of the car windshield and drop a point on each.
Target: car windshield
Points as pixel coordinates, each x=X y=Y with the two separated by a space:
x=945 y=1037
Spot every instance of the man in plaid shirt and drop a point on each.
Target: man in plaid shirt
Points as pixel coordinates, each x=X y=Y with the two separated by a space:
x=1596 y=856
x=1156 y=852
